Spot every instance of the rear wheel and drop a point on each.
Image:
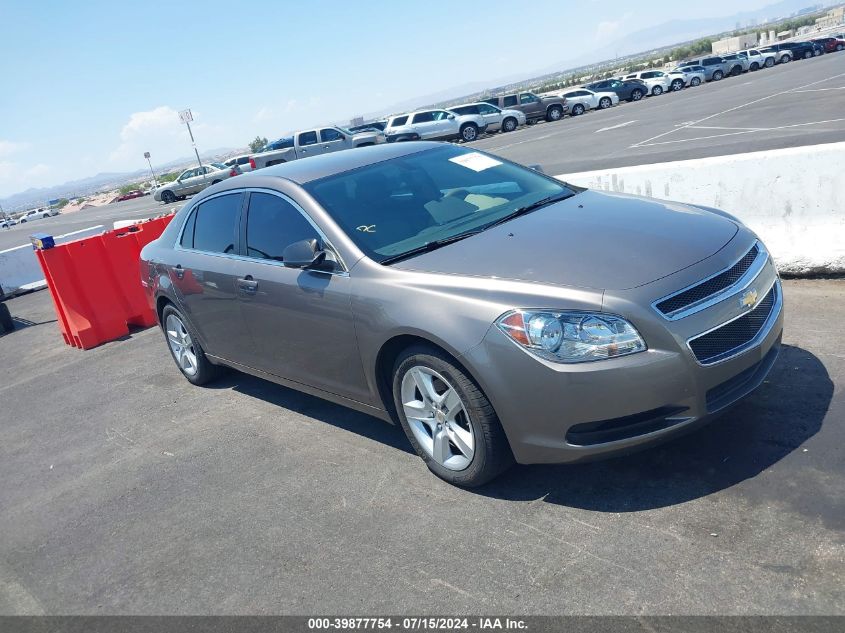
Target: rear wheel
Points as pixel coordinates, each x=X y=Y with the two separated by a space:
x=509 y=124
x=554 y=113
x=770 y=61
x=695 y=81
x=637 y=94
x=469 y=132
x=185 y=349
x=808 y=54
x=785 y=59
x=168 y=197
x=448 y=419
x=718 y=75
x=605 y=103
x=677 y=84
x=577 y=109
x=754 y=67
x=736 y=71
x=657 y=91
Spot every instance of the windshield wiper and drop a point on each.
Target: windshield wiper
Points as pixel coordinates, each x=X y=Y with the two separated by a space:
x=432 y=245
x=528 y=208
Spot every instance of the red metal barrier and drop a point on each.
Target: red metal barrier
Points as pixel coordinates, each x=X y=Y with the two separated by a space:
x=95 y=283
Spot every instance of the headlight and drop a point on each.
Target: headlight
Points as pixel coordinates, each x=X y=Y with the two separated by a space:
x=571 y=337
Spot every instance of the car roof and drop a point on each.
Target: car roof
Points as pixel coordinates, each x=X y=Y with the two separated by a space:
x=316 y=167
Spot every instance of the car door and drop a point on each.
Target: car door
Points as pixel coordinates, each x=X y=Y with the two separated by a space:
x=205 y=272
x=423 y=124
x=300 y=321
x=308 y=144
x=183 y=182
x=532 y=104
x=492 y=116
x=331 y=140
x=445 y=124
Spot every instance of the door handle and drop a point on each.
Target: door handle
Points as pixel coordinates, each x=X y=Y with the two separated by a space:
x=180 y=272
x=247 y=284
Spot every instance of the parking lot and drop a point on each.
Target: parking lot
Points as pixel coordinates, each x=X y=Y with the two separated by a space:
x=800 y=103
x=127 y=490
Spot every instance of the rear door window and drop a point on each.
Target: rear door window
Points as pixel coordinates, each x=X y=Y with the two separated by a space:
x=400 y=120
x=213 y=225
x=423 y=117
x=272 y=224
x=308 y=138
x=509 y=101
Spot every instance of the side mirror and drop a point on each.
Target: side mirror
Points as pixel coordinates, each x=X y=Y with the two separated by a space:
x=451 y=117
x=307 y=255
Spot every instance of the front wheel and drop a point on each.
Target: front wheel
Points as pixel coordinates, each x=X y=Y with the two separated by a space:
x=509 y=124
x=785 y=59
x=448 y=419
x=555 y=113
x=657 y=91
x=185 y=349
x=637 y=94
x=577 y=109
x=678 y=84
x=168 y=197
x=718 y=75
x=469 y=132
x=754 y=67
x=605 y=103
x=770 y=61
x=695 y=81
x=808 y=55
x=840 y=47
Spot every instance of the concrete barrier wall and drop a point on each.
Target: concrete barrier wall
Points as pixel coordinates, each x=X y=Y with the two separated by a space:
x=793 y=198
x=20 y=270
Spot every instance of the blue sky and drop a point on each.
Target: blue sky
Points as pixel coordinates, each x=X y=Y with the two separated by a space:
x=87 y=87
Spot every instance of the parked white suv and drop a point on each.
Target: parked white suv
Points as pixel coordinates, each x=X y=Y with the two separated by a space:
x=682 y=77
x=434 y=125
x=581 y=99
x=497 y=120
x=657 y=81
x=757 y=59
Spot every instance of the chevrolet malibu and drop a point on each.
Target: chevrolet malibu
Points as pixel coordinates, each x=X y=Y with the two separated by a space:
x=495 y=313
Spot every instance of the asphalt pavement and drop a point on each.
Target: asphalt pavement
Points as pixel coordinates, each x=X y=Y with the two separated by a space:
x=791 y=105
x=125 y=490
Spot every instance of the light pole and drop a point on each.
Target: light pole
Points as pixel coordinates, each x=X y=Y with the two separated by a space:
x=186 y=117
x=155 y=182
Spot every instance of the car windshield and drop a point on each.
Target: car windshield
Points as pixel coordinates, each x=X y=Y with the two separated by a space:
x=392 y=208
x=219 y=165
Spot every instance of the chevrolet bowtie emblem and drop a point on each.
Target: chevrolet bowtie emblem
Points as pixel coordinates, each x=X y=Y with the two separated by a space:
x=748 y=298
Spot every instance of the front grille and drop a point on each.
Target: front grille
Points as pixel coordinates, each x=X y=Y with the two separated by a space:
x=710 y=286
x=742 y=384
x=732 y=336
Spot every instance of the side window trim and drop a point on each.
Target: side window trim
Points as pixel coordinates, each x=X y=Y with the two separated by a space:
x=193 y=212
x=244 y=217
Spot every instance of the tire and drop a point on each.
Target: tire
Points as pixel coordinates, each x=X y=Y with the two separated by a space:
x=695 y=81
x=605 y=103
x=21 y=221
x=786 y=59
x=7 y=323
x=577 y=109
x=808 y=54
x=509 y=124
x=717 y=76
x=554 y=113
x=185 y=349
x=657 y=91
x=167 y=197
x=754 y=67
x=770 y=61
x=637 y=94
x=677 y=84
x=469 y=132
x=839 y=48
x=436 y=435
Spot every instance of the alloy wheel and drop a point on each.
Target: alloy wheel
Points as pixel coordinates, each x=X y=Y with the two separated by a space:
x=181 y=345
x=437 y=417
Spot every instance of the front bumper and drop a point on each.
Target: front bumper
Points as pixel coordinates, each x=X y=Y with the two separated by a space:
x=556 y=413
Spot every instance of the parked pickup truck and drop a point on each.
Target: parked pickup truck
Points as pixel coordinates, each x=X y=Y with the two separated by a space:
x=534 y=107
x=313 y=143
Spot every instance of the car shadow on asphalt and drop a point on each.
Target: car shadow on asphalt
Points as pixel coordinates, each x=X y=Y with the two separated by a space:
x=314 y=407
x=782 y=414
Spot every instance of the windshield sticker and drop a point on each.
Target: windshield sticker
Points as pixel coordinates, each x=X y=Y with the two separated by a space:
x=475 y=161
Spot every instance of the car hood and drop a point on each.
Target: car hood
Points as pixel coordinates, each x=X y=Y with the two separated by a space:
x=593 y=240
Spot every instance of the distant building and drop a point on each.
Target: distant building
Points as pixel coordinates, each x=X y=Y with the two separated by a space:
x=832 y=18
x=737 y=43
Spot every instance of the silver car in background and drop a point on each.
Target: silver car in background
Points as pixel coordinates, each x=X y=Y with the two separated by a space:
x=194 y=180
x=495 y=313
x=497 y=120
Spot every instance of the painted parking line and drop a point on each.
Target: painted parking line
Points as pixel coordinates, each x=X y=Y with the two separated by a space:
x=650 y=141
x=820 y=89
x=615 y=127
x=745 y=131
